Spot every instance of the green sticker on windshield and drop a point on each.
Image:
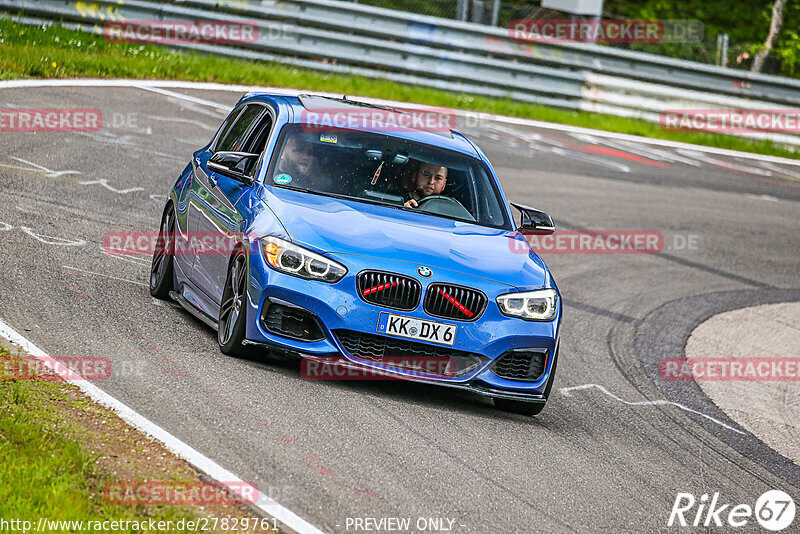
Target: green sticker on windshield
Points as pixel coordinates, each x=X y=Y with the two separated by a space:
x=282 y=179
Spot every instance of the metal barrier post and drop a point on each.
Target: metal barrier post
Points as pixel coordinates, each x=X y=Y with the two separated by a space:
x=495 y=12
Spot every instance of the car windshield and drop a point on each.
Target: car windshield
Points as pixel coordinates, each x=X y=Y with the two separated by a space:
x=376 y=168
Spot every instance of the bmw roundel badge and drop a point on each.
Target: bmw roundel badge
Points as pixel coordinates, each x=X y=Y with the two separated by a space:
x=424 y=272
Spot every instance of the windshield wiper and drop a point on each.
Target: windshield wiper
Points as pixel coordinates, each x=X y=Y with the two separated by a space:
x=337 y=195
x=313 y=191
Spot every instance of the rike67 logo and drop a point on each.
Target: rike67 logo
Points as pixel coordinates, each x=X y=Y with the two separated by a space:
x=774 y=511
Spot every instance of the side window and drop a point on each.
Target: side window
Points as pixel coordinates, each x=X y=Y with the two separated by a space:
x=489 y=207
x=257 y=140
x=234 y=138
x=229 y=124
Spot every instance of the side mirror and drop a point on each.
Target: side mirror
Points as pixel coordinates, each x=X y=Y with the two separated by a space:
x=236 y=165
x=534 y=221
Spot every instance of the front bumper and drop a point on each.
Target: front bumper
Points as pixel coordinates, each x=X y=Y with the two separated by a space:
x=338 y=307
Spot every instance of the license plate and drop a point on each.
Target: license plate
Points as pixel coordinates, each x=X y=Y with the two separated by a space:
x=411 y=328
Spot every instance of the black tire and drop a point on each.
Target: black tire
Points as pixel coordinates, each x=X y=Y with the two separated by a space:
x=162 y=268
x=529 y=408
x=233 y=311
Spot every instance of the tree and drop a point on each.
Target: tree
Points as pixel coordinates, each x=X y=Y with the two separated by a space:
x=774 y=29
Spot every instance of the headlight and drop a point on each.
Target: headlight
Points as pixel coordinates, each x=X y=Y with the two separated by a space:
x=538 y=305
x=288 y=258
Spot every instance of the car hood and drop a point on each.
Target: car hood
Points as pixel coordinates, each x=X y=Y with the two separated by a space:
x=339 y=227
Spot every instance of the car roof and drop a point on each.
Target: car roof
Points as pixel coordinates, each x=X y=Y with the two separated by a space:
x=303 y=104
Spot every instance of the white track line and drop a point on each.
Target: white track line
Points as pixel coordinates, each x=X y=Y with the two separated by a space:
x=104 y=275
x=124 y=257
x=205 y=86
x=181 y=96
x=567 y=392
x=197 y=459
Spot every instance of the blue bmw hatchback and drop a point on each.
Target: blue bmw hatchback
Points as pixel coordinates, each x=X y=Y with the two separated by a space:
x=390 y=251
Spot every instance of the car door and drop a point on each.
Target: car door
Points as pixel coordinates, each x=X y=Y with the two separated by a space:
x=217 y=219
x=189 y=213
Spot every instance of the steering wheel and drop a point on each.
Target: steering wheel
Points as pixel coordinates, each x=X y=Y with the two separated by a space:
x=444 y=205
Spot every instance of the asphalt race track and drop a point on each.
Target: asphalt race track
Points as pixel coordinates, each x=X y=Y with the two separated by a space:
x=597 y=459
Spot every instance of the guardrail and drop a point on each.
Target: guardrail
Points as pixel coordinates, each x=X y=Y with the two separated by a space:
x=487 y=40
x=464 y=57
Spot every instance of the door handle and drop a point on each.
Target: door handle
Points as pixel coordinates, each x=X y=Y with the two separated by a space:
x=213 y=180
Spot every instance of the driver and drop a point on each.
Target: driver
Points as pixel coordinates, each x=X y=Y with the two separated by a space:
x=300 y=164
x=297 y=158
x=429 y=180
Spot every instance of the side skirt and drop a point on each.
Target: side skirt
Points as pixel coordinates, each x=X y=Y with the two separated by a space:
x=191 y=308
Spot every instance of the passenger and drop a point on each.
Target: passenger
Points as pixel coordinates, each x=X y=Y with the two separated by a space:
x=430 y=179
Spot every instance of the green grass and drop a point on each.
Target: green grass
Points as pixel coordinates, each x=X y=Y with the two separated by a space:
x=44 y=469
x=57 y=52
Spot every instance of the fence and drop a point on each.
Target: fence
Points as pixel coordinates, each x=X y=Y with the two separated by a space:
x=457 y=56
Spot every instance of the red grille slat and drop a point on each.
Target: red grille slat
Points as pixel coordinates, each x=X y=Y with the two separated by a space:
x=389 y=290
x=381 y=287
x=454 y=302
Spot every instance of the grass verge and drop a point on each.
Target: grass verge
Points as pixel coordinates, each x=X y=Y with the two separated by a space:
x=58 y=52
x=59 y=450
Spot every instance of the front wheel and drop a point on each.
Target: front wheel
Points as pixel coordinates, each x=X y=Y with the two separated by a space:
x=161 y=269
x=233 y=312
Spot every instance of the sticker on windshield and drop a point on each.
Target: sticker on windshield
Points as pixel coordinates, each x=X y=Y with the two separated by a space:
x=328 y=138
x=282 y=179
